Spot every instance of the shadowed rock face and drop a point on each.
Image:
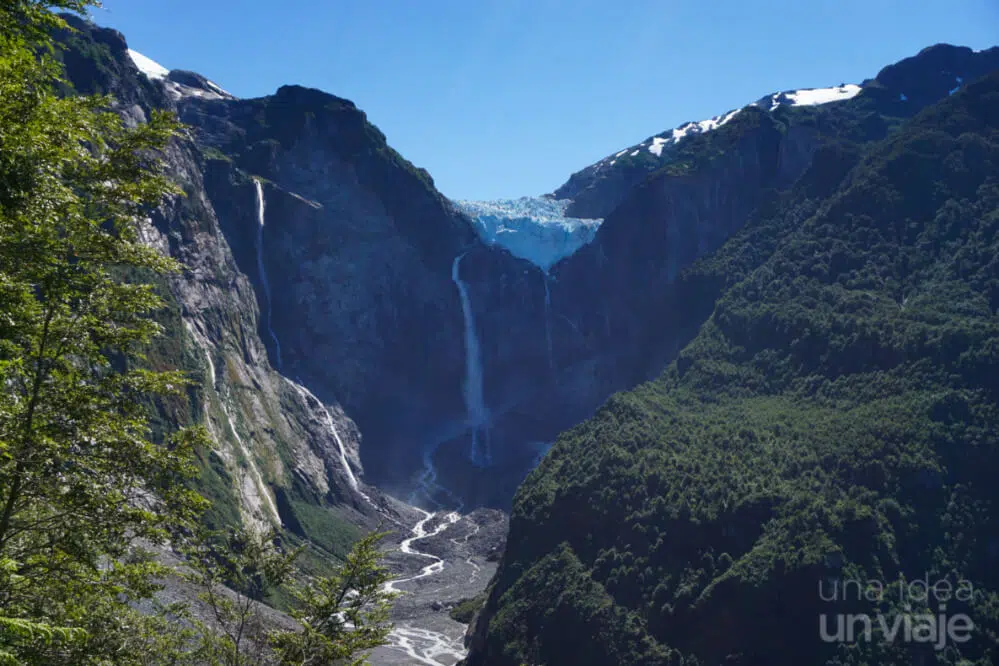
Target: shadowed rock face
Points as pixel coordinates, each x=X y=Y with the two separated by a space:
x=578 y=585
x=358 y=247
x=611 y=310
x=275 y=460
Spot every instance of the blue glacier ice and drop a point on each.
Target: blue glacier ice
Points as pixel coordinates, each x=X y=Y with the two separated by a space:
x=532 y=228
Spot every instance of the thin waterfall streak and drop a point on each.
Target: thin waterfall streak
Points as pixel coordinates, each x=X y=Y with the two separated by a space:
x=548 y=323
x=331 y=425
x=257 y=478
x=262 y=271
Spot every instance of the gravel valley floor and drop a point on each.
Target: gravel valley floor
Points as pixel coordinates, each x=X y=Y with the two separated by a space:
x=445 y=558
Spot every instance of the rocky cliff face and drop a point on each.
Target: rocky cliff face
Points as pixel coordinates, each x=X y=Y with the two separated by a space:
x=357 y=249
x=314 y=253
x=345 y=284
x=280 y=452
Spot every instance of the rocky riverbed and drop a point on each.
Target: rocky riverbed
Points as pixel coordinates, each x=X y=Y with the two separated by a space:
x=445 y=558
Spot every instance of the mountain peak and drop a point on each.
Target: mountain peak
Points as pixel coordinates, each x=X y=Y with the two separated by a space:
x=312 y=97
x=179 y=83
x=936 y=71
x=148 y=66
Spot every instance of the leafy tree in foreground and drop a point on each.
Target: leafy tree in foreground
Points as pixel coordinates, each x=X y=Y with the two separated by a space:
x=340 y=616
x=343 y=615
x=234 y=573
x=80 y=480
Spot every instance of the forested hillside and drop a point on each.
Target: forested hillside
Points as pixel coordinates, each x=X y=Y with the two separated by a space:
x=834 y=420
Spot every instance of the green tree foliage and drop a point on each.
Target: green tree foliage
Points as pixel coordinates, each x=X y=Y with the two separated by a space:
x=343 y=616
x=834 y=419
x=83 y=486
x=466 y=609
x=235 y=572
x=80 y=481
x=340 y=616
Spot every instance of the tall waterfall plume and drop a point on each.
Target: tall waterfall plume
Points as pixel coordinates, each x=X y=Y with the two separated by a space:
x=262 y=271
x=475 y=405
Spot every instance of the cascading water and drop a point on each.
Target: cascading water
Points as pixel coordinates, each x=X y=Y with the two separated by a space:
x=474 y=397
x=261 y=209
x=548 y=322
x=331 y=425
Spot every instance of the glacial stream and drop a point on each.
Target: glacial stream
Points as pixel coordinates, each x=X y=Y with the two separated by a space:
x=423 y=632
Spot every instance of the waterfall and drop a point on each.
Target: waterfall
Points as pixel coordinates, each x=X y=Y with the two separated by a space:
x=331 y=426
x=258 y=486
x=474 y=397
x=548 y=323
x=263 y=271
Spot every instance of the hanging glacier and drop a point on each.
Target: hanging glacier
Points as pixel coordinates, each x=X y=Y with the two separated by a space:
x=532 y=228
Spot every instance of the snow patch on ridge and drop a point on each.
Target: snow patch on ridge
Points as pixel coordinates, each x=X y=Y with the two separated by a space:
x=532 y=228
x=811 y=96
x=157 y=72
x=816 y=96
x=219 y=90
x=680 y=133
x=148 y=66
x=179 y=91
x=657 y=145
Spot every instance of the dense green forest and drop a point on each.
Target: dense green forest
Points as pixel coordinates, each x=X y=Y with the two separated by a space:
x=834 y=422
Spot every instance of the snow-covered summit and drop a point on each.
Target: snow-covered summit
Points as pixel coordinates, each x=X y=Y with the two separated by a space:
x=676 y=136
x=813 y=96
x=532 y=228
x=178 y=83
x=658 y=145
x=148 y=66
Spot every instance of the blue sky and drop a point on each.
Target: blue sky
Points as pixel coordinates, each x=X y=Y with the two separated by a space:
x=502 y=98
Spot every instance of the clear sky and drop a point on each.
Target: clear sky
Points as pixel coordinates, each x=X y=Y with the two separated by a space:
x=502 y=98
